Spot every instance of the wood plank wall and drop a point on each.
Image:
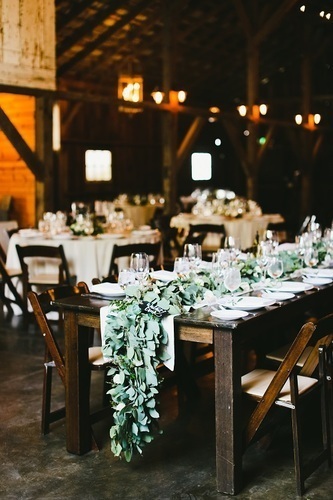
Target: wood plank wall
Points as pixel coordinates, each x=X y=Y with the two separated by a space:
x=15 y=177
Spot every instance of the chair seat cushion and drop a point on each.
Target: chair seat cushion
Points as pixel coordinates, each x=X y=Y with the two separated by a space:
x=256 y=382
x=279 y=354
x=44 y=279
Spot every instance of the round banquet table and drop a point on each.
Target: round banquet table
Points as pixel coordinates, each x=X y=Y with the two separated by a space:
x=244 y=228
x=88 y=257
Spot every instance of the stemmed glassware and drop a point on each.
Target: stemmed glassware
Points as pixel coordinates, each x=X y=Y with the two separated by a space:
x=232 y=281
x=275 y=269
x=311 y=258
x=126 y=277
x=193 y=252
x=232 y=245
x=140 y=264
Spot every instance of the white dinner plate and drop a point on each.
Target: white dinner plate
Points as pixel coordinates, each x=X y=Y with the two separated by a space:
x=30 y=233
x=318 y=273
x=247 y=303
x=317 y=281
x=229 y=314
x=110 y=236
x=162 y=275
x=62 y=236
x=292 y=286
x=278 y=295
x=108 y=290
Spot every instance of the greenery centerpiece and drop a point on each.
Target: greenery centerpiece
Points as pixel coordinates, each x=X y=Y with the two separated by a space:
x=135 y=340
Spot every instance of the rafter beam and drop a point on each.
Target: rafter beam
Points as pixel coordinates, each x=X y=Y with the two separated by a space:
x=87 y=28
x=102 y=38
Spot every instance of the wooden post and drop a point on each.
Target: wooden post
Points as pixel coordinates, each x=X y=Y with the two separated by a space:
x=44 y=189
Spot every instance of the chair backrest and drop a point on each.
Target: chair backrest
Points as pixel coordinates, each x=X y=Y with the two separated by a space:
x=47 y=252
x=41 y=305
x=6 y=279
x=200 y=231
x=153 y=250
x=305 y=337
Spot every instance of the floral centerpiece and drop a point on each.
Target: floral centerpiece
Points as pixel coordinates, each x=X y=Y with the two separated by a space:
x=225 y=203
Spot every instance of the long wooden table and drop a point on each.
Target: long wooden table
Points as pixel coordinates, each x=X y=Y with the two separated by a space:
x=229 y=339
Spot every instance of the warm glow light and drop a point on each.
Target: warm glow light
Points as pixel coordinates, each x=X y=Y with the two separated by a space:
x=263 y=109
x=158 y=96
x=242 y=110
x=214 y=109
x=298 y=119
x=328 y=15
x=181 y=96
x=302 y=8
x=322 y=13
x=56 y=130
x=130 y=88
x=316 y=118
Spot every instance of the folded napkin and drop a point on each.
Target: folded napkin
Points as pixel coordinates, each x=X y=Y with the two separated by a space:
x=168 y=325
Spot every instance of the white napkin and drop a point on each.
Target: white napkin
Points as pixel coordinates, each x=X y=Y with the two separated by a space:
x=168 y=325
x=103 y=312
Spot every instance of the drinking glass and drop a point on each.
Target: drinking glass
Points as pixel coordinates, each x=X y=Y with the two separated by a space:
x=181 y=265
x=275 y=269
x=311 y=258
x=140 y=264
x=126 y=277
x=193 y=252
x=232 y=281
x=232 y=245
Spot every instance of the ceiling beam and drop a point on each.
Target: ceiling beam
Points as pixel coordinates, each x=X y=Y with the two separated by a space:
x=102 y=38
x=87 y=27
x=75 y=10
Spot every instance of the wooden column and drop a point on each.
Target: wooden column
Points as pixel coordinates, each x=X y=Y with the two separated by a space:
x=169 y=120
x=45 y=189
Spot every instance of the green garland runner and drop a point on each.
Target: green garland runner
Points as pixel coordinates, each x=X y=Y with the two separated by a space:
x=135 y=341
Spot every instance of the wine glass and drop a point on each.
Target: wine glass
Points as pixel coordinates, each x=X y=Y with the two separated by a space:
x=140 y=264
x=311 y=258
x=126 y=277
x=181 y=265
x=275 y=269
x=193 y=252
x=232 y=281
x=232 y=245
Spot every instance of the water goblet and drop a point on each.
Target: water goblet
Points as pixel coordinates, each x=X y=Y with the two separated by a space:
x=181 y=265
x=232 y=281
x=311 y=258
x=139 y=262
x=275 y=269
x=126 y=277
x=193 y=252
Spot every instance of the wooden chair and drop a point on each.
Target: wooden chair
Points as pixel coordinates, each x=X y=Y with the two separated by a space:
x=198 y=233
x=33 y=258
x=153 y=250
x=13 y=297
x=54 y=358
x=287 y=389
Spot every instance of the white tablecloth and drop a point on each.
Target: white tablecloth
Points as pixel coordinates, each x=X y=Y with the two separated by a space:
x=244 y=228
x=87 y=258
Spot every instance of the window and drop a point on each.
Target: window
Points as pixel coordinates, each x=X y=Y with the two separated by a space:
x=201 y=166
x=98 y=165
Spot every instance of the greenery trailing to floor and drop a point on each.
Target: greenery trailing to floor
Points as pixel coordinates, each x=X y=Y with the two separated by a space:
x=135 y=340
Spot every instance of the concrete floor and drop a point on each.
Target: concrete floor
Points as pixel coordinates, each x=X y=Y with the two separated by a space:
x=178 y=465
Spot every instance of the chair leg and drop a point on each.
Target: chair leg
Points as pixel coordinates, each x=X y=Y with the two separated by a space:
x=46 y=405
x=297 y=446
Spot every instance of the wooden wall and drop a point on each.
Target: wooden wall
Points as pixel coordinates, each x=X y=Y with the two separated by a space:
x=27 y=43
x=15 y=177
